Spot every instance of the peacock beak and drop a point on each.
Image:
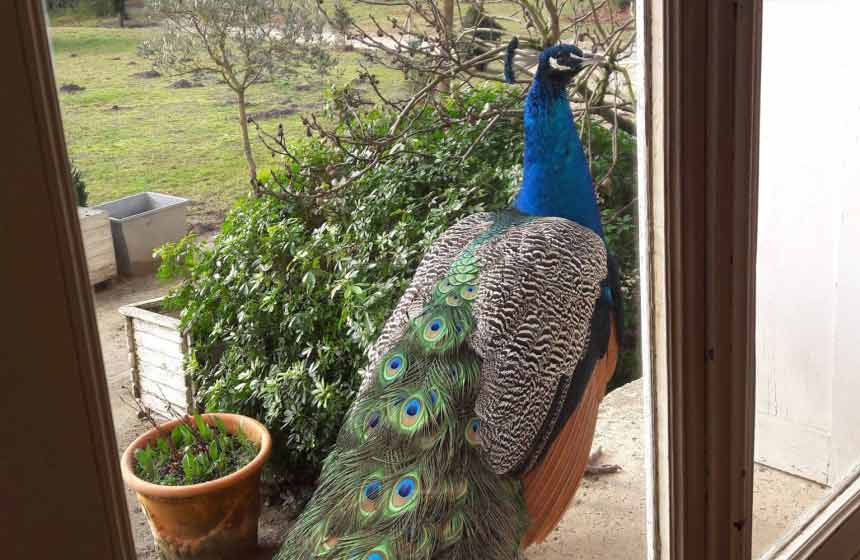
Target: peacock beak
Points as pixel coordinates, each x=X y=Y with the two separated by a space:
x=591 y=60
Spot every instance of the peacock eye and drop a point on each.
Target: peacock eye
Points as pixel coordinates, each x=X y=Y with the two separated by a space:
x=405 y=494
x=413 y=407
x=393 y=368
x=369 y=499
x=405 y=488
x=472 y=430
x=372 y=490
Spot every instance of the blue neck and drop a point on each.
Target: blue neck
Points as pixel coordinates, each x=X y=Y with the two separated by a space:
x=556 y=178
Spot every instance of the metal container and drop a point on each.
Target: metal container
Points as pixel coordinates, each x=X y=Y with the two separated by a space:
x=142 y=222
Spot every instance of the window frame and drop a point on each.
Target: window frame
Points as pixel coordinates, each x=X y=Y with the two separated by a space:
x=698 y=143
x=61 y=487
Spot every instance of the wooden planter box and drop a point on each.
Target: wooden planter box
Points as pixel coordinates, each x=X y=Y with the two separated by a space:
x=98 y=244
x=156 y=351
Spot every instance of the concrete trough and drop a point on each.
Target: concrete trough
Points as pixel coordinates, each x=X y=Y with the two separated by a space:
x=142 y=222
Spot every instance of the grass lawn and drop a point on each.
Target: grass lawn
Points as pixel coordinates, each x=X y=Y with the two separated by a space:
x=129 y=134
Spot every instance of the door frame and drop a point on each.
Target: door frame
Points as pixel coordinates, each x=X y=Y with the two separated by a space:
x=828 y=531
x=698 y=138
x=60 y=486
x=700 y=143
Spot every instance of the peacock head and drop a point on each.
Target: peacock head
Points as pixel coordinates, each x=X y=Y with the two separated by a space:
x=557 y=65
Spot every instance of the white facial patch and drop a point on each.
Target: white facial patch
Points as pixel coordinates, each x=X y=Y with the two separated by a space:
x=554 y=64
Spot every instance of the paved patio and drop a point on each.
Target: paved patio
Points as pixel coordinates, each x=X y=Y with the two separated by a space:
x=607 y=520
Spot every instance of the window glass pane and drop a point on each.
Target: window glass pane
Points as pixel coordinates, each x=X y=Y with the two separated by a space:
x=290 y=168
x=808 y=280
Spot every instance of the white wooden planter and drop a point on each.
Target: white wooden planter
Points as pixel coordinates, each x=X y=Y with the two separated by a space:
x=98 y=244
x=156 y=351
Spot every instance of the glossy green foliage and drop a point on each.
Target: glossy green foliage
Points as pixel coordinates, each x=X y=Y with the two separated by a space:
x=283 y=305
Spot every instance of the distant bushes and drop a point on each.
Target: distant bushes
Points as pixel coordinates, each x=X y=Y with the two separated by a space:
x=79 y=186
x=91 y=7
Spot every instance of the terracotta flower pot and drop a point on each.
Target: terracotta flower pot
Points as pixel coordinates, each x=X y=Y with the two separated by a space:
x=215 y=520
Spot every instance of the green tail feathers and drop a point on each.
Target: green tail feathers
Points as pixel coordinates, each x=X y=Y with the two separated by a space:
x=406 y=480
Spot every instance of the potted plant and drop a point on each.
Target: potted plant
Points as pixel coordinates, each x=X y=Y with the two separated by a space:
x=198 y=481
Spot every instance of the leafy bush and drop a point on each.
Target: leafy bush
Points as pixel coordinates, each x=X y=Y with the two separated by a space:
x=283 y=306
x=194 y=452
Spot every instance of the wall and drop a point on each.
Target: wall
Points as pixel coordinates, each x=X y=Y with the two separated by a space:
x=808 y=317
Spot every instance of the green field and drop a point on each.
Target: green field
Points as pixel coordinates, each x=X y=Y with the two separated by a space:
x=129 y=134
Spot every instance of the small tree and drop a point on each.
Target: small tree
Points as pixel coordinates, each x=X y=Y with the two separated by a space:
x=245 y=42
x=121 y=11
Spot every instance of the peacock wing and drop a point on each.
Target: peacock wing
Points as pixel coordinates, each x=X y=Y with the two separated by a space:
x=540 y=284
x=433 y=266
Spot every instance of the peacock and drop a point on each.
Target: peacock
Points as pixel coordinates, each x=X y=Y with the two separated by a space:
x=472 y=427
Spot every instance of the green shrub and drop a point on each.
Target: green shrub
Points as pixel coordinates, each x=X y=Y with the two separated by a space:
x=79 y=186
x=85 y=7
x=283 y=306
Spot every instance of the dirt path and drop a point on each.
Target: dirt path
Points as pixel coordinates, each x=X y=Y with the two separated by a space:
x=115 y=353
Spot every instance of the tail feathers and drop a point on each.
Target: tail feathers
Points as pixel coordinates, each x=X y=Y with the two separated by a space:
x=406 y=479
x=549 y=488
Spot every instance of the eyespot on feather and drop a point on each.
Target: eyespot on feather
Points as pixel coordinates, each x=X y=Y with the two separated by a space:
x=469 y=293
x=435 y=329
x=412 y=413
x=404 y=495
x=473 y=428
x=393 y=367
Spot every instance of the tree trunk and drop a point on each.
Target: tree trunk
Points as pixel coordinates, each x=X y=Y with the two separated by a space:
x=448 y=16
x=246 y=140
x=121 y=13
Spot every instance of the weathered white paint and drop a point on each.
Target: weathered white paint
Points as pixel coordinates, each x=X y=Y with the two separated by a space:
x=808 y=287
x=156 y=352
